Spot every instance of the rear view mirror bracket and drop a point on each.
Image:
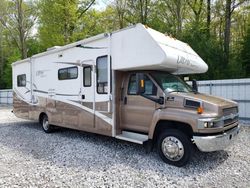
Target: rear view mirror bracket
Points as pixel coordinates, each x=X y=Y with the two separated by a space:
x=194 y=86
x=159 y=100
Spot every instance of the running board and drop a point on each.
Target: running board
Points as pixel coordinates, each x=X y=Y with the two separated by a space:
x=132 y=137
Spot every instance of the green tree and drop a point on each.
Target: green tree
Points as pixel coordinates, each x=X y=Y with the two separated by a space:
x=18 y=17
x=245 y=52
x=58 y=20
x=170 y=14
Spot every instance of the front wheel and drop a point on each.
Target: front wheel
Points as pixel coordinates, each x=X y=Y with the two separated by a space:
x=174 y=147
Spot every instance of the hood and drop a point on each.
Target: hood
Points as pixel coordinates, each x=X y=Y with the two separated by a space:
x=213 y=105
x=219 y=101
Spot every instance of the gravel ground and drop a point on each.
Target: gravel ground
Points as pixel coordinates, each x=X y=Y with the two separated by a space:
x=67 y=158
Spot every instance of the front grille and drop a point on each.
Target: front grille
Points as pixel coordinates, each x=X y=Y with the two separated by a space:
x=229 y=111
x=228 y=122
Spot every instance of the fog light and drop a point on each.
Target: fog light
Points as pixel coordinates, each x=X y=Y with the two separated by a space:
x=206 y=124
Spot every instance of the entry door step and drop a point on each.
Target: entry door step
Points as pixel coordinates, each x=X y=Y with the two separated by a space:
x=132 y=137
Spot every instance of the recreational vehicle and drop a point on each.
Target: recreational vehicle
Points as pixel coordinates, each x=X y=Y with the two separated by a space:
x=125 y=84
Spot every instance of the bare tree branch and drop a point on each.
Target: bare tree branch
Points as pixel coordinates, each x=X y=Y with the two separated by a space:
x=86 y=9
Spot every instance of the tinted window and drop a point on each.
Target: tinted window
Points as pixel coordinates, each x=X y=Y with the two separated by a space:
x=21 y=80
x=87 y=76
x=132 y=85
x=68 y=73
x=150 y=88
x=102 y=75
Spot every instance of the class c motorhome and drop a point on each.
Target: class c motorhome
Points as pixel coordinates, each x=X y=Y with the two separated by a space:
x=124 y=84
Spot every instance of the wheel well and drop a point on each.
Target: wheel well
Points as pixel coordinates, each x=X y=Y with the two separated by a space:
x=41 y=116
x=163 y=125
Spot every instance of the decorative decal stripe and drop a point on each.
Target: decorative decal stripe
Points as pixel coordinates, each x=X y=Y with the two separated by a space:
x=67 y=95
x=98 y=114
x=20 y=97
x=30 y=84
x=40 y=91
x=78 y=102
x=45 y=92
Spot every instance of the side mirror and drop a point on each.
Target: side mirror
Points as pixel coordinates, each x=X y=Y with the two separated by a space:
x=140 y=83
x=194 y=85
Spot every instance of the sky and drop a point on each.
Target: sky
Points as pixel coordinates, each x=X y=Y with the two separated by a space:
x=101 y=4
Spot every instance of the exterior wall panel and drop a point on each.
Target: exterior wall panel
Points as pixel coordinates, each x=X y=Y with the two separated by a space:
x=237 y=90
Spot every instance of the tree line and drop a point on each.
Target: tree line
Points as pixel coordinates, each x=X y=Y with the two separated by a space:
x=218 y=30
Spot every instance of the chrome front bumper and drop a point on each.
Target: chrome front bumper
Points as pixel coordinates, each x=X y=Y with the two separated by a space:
x=217 y=142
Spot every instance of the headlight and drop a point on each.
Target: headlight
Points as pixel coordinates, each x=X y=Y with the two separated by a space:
x=208 y=124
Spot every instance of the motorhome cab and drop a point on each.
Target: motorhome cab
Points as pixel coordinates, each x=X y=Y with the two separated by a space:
x=124 y=84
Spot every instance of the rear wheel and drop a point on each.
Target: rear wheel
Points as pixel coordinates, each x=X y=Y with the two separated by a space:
x=174 y=147
x=45 y=124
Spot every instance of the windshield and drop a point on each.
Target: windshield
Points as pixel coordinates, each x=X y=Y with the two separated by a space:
x=171 y=83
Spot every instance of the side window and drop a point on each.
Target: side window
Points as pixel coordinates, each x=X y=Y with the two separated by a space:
x=87 y=76
x=150 y=88
x=132 y=85
x=102 y=75
x=21 y=80
x=68 y=73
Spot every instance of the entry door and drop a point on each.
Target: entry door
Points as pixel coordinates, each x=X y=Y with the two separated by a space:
x=103 y=86
x=137 y=111
x=87 y=96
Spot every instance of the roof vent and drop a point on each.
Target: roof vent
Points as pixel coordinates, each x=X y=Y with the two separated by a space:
x=53 y=48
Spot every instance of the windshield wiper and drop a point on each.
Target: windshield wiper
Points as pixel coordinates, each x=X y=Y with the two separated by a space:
x=177 y=91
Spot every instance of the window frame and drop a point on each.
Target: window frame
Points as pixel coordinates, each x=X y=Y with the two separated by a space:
x=66 y=68
x=84 y=68
x=97 y=75
x=25 y=80
x=134 y=74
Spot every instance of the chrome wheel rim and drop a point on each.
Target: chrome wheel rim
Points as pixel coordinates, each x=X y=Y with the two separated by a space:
x=45 y=124
x=172 y=148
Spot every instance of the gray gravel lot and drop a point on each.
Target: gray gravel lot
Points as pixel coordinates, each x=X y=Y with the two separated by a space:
x=68 y=158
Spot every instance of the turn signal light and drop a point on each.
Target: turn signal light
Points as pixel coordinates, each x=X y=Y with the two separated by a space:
x=200 y=110
x=142 y=83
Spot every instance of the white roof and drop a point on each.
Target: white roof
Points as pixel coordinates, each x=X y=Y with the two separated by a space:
x=141 y=48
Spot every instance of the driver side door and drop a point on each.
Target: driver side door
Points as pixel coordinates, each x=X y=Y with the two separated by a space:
x=136 y=111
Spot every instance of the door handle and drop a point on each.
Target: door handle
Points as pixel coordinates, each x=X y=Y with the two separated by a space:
x=125 y=100
x=83 y=96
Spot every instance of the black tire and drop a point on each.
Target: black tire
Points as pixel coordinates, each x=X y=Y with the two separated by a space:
x=177 y=147
x=45 y=124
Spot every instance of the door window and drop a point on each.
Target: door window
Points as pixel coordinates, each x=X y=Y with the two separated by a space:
x=87 y=76
x=102 y=75
x=150 y=88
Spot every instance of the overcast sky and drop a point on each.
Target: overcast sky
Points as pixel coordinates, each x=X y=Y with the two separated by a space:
x=101 y=4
